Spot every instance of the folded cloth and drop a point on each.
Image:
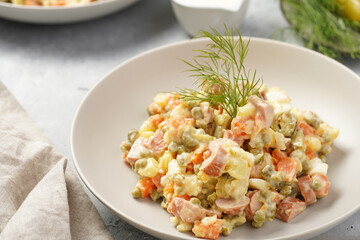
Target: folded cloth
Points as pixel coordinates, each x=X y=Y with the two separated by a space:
x=40 y=196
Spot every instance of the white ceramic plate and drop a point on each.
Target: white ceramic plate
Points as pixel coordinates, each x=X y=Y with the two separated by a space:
x=58 y=15
x=118 y=103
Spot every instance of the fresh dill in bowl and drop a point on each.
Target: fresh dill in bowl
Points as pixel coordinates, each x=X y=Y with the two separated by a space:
x=331 y=27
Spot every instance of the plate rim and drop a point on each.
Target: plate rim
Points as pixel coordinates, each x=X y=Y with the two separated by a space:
x=54 y=8
x=316 y=230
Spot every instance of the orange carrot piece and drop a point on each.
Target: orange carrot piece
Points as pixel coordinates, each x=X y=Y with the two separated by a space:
x=190 y=167
x=174 y=101
x=306 y=128
x=279 y=155
x=186 y=197
x=310 y=154
x=289 y=166
x=145 y=186
x=157 y=181
x=198 y=158
x=32 y=3
x=58 y=3
x=177 y=121
x=156 y=119
x=169 y=188
x=190 y=121
x=238 y=126
x=211 y=231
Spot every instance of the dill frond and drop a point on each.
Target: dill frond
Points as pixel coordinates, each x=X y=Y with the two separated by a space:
x=220 y=73
x=322 y=27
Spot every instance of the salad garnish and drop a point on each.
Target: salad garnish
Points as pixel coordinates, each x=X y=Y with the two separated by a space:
x=220 y=73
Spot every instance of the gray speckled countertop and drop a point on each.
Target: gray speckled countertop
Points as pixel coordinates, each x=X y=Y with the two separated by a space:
x=49 y=69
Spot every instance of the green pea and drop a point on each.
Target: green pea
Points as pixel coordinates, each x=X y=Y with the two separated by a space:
x=323 y=158
x=288 y=124
x=265 y=194
x=155 y=195
x=197 y=113
x=201 y=124
x=212 y=197
x=298 y=154
x=316 y=184
x=189 y=141
x=326 y=137
x=226 y=230
x=144 y=153
x=133 y=135
x=181 y=150
x=173 y=147
x=286 y=190
x=191 y=104
x=204 y=203
x=195 y=200
x=325 y=149
x=125 y=146
x=141 y=163
x=150 y=110
x=257 y=224
x=267 y=172
x=305 y=164
x=197 y=168
x=136 y=193
x=312 y=119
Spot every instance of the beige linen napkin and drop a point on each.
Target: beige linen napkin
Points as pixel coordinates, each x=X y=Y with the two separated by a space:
x=40 y=197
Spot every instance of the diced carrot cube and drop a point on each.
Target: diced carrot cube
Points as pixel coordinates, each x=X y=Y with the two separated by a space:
x=306 y=128
x=156 y=119
x=310 y=154
x=211 y=231
x=145 y=186
x=278 y=155
x=289 y=166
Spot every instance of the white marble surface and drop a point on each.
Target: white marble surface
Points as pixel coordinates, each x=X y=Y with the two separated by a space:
x=49 y=69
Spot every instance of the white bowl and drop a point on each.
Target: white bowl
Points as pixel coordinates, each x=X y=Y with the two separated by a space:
x=118 y=103
x=61 y=14
x=196 y=15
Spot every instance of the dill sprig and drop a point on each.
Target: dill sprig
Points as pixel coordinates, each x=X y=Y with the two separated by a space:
x=322 y=27
x=220 y=73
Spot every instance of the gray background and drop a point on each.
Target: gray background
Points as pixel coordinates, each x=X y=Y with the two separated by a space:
x=49 y=69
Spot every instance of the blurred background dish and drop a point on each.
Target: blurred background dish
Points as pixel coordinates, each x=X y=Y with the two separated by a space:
x=200 y=14
x=331 y=27
x=61 y=14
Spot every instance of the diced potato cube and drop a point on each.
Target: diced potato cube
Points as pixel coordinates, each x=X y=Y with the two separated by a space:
x=317 y=166
x=259 y=184
x=246 y=111
x=325 y=128
x=146 y=134
x=161 y=99
x=165 y=159
x=151 y=169
x=313 y=143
